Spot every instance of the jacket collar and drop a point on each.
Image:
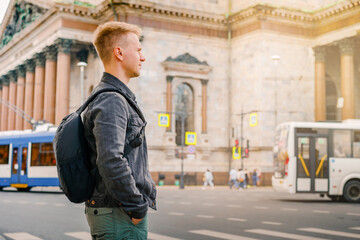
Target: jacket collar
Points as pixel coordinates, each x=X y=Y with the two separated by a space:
x=114 y=81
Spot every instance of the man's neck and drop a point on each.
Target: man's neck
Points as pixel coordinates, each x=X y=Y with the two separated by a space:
x=118 y=74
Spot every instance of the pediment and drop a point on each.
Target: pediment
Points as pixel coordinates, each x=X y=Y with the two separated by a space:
x=188 y=64
x=19 y=15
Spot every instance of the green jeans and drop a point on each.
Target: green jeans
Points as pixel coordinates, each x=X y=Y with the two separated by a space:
x=114 y=224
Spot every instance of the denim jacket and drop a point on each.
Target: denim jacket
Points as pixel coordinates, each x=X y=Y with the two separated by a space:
x=116 y=137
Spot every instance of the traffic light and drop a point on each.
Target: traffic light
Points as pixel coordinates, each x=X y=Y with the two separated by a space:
x=236 y=142
x=247 y=149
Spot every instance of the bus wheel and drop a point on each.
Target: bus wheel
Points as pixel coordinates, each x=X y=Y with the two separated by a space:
x=1 y=188
x=352 y=191
x=24 y=189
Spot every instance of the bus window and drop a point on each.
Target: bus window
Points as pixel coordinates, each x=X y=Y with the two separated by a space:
x=303 y=164
x=356 y=144
x=281 y=158
x=4 y=154
x=42 y=154
x=342 y=143
x=321 y=158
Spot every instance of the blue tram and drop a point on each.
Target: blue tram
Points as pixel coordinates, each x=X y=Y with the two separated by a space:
x=27 y=159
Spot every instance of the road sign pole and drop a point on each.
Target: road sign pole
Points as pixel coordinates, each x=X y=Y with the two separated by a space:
x=182 y=150
x=241 y=137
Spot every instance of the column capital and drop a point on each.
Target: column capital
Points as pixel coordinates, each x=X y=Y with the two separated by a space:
x=319 y=53
x=5 y=80
x=64 y=45
x=346 y=46
x=21 y=70
x=40 y=59
x=30 y=65
x=82 y=55
x=204 y=81
x=50 y=52
x=169 y=78
x=12 y=75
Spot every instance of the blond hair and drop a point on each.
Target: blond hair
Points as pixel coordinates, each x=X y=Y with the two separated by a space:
x=107 y=35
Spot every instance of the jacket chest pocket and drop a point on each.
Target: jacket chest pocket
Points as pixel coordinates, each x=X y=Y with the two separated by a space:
x=136 y=131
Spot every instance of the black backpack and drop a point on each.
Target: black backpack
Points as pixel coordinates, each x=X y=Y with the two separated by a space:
x=77 y=178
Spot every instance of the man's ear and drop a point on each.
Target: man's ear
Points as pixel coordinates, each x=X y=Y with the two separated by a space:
x=118 y=53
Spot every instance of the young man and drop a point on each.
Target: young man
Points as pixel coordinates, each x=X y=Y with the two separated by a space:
x=116 y=137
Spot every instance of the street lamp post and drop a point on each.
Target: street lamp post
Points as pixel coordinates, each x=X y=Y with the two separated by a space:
x=276 y=59
x=82 y=66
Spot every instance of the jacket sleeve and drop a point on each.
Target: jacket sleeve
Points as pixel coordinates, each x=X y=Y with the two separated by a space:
x=110 y=114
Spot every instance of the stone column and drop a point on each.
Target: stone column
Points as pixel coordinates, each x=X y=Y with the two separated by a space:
x=50 y=84
x=62 y=79
x=5 y=98
x=12 y=100
x=29 y=92
x=204 y=106
x=169 y=80
x=320 y=85
x=347 y=78
x=39 y=86
x=20 y=96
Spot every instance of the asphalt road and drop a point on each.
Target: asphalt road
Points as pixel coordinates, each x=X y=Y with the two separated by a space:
x=192 y=213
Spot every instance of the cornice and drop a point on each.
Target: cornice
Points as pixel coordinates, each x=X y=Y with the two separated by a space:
x=294 y=14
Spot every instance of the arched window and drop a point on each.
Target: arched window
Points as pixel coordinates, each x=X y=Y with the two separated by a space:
x=184 y=102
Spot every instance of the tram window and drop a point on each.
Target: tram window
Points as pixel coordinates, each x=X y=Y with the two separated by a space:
x=42 y=154
x=342 y=143
x=4 y=154
x=356 y=144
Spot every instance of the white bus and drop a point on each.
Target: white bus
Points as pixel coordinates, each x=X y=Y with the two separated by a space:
x=318 y=157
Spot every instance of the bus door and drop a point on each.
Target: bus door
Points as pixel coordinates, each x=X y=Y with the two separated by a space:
x=312 y=168
x=19 y=165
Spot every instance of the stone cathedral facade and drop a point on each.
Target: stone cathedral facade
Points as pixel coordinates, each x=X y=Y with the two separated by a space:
x=287 y=60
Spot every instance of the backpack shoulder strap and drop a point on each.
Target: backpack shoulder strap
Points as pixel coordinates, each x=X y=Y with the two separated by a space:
x=95 y=94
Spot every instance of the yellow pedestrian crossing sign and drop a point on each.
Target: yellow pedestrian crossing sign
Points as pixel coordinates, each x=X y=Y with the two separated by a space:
x=164 y=120
x=236 y=152
x=253 y=119
x=190 y=138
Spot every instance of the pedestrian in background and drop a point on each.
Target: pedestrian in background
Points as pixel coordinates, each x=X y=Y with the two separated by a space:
x=115 y=134
x=233 y=179
x=254 y=178
x=241 y=178
x=247 y=178
x=208 y=179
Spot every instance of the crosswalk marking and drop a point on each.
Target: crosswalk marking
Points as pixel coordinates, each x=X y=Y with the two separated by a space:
x=6 y=201
x=237 y=219
x=321 y=211
x=260 y=207
x=330 y=232
x=59 y=205
x=220 y=235
x=209 y=204
x=21 y=236
x=355 y=228
x=282 y=234
x=176 y=213
x=79 y=235
x=169 y=202
x=23 y=202
x=204 y=216
x=40 y=203
x=290 y=209
x=185 y=203
x=271 y=223
x=154 y=236
x=353 y=214
x=234 y=206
